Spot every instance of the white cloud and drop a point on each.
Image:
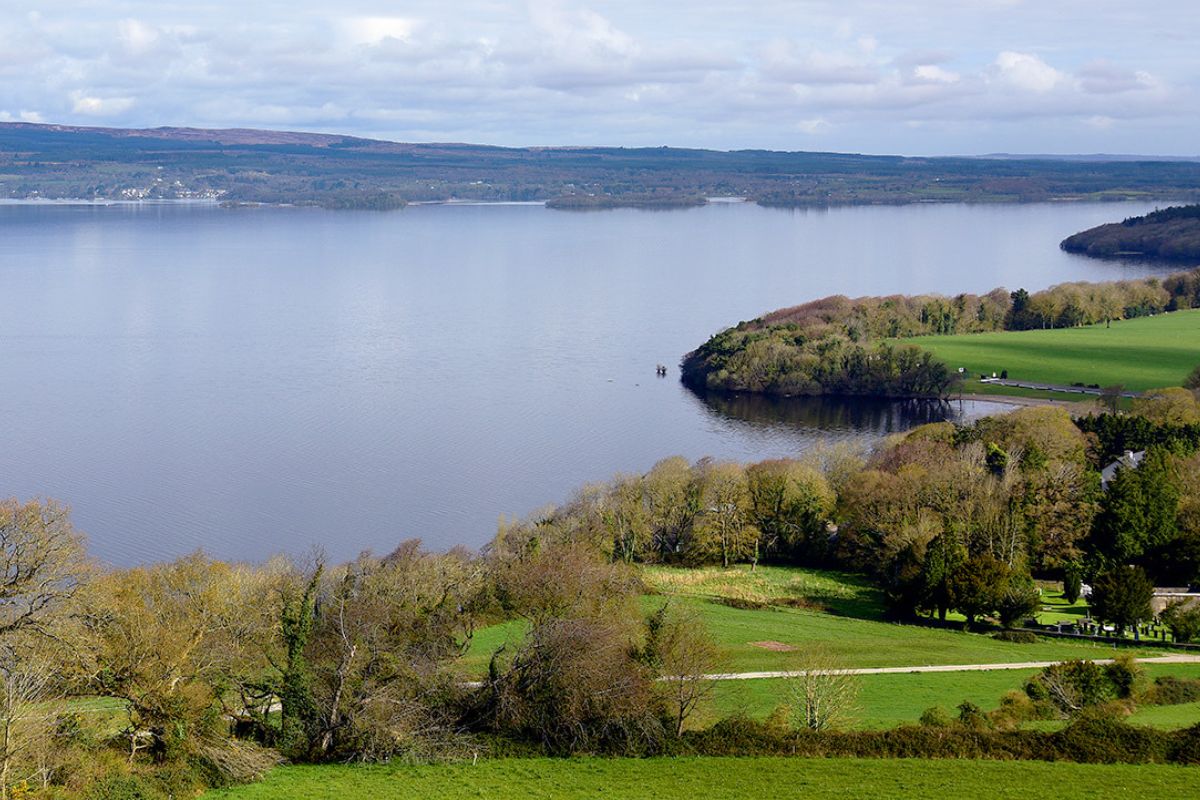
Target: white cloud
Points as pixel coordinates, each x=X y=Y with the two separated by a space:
x=932 y=73
x=1027 y=72
x=814 y=126
x=137 y=36
x=21 y=116
x=91 y=106
x=374 y=30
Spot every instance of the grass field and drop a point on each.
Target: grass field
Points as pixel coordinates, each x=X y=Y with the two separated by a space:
x=722 y=779
x=861 y=640
x=1143 y=353
x=885 y=701
x=852 y=633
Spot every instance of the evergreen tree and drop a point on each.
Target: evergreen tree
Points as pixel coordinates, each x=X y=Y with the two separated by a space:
x=1122 y=596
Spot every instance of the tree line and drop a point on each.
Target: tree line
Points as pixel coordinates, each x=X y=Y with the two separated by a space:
x=945 y=518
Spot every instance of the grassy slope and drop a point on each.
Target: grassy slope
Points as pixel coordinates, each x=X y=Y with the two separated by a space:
x=1143 y=353
x=855 y=636
x=721 y=779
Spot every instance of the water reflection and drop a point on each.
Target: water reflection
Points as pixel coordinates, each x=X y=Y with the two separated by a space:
x=847 y=415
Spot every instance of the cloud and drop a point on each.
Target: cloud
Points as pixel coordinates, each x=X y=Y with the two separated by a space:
x=91 y=106
x=137 y=36
x=1103 y=77
x=932 y=73
x=374 y=30
x=1027 y=72
x=972 y=77
x=783 y=60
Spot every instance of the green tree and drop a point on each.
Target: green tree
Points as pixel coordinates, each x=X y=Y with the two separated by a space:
x=1138 y=512
x=1072 y=581
x=1020 y=599
x=1122 y=596
x=725 y=526
x=943 y=559
x=978 y=587
x=1182 y=619
x=790 y=504
x=299 y=716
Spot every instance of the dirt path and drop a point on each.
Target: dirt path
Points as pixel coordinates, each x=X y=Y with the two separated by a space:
x=1027 y=665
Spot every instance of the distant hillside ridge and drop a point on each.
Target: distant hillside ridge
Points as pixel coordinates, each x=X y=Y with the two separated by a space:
x=1170 y=234
x=241 y=165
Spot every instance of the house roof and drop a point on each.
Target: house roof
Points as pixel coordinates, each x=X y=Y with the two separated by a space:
x=1130 y=460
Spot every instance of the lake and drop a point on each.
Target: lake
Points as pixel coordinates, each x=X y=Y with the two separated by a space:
x=260 y=380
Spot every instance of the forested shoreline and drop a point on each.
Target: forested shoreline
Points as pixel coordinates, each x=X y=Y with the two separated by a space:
x=266 y=166
x=1169 y=234
x=844 y=346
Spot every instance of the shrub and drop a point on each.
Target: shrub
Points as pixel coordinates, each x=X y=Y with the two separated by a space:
x=936 y=717
x=1101 y=738
x=1187 y=749
x=971 y=716
x=1182 y=619
x=122 y=787
x=1192 y=381
x=1072 y=686
x=1016 y=707
x=576 y=685
x=742 y=603
x=1126 y=676
x=1169 y=690
x=1016 y=637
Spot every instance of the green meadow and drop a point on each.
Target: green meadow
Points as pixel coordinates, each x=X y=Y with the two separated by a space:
x=1142 y=353
x=720 y=779
x=839 y=614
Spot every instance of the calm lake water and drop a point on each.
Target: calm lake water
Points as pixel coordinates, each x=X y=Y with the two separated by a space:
x=254 y=381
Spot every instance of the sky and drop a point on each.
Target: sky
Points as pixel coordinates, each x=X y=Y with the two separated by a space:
x=931 y=77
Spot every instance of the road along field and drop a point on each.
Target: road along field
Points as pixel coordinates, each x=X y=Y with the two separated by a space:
x=1142 y=353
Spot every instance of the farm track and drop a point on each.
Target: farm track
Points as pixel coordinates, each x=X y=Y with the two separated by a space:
x=749 y=676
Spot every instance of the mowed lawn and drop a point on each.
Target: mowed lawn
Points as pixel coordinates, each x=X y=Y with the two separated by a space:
x=722 y=779
x=1143 y=353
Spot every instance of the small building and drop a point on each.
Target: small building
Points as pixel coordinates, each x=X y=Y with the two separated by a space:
x=1130 y=460
x=1164 y=597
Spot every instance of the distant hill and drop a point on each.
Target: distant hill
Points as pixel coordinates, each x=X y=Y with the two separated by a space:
x=1172 y=234
x=1092 y=157
x=244 y=165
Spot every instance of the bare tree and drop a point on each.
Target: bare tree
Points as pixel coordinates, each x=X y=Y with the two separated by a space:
x=42 y=564
x=822 y=694
x=29 y=690
x=679 y=646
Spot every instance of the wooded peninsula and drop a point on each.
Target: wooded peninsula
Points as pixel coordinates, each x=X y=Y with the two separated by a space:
x=1170 y=234
x=843 y=346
